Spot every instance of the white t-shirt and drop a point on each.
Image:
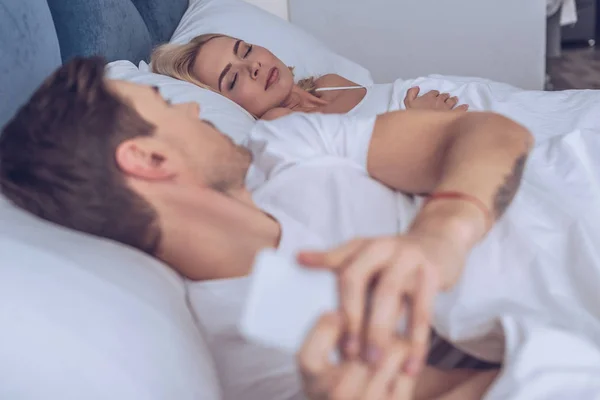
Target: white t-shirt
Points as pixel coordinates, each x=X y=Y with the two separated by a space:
x=309 y=173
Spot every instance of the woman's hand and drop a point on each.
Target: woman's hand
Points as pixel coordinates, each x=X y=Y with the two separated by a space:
x=383 y=276
x=354 y=379
x=433 y=100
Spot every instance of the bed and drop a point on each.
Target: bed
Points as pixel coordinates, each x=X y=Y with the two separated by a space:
x=87 y=318
x=83 y=318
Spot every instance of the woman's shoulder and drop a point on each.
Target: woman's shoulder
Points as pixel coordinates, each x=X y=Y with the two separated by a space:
x=333 y=80
x=275 y=113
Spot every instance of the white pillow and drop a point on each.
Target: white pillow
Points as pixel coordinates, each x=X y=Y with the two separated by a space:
x=227 y=116
x=85 y=318
x=292 y=45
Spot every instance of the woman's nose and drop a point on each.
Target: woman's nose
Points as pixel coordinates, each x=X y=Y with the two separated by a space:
x=255 y=67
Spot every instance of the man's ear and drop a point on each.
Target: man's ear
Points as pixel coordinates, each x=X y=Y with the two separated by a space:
x=146 y=158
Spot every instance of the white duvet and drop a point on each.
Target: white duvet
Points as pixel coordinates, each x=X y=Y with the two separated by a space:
x=530 y=293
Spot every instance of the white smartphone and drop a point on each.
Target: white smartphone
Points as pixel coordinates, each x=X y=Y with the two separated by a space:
x=285 y=301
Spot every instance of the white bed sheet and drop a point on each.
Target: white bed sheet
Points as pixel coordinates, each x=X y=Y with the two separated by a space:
x=539 y=292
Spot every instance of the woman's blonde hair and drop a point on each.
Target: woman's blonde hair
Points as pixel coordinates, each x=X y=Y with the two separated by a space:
x=177 y=61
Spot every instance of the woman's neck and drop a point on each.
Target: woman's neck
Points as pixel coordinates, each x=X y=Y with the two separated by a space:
x=301 y=100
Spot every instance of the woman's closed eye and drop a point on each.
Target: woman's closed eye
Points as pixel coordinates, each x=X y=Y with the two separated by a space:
x=233 y=81
x=248 y=51
x=235 y=77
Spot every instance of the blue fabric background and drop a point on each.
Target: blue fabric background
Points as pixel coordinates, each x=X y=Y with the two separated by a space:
x=37 y=35
x=28 y=51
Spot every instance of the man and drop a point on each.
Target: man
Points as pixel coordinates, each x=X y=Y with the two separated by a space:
x=116 y=160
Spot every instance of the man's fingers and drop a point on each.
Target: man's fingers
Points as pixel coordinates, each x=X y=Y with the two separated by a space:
x=403 y=387
x=386 y=306
x=313 y=358
x=388 y=301
x=354 y=284
x=332 y=259
x=420 y=317
x=387 y=372
x=354 y=377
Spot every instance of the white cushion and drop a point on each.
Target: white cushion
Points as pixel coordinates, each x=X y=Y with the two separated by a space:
x=240 y=19
x=85 y=318
x=224 y=113
x=292 y=45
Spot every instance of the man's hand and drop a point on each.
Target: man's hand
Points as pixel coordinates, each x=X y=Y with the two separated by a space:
x=433 y=100
x=354 y=379
x=385 y=276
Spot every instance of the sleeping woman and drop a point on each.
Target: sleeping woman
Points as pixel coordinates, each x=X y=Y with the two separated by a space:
x=254 y=78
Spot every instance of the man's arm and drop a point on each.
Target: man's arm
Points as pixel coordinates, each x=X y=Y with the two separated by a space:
x=480 y=154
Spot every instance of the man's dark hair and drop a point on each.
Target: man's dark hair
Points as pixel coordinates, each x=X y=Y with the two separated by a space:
x=57 y=157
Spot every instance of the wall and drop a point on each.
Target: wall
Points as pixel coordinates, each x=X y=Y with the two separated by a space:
x=502 y=40
x=277 y=7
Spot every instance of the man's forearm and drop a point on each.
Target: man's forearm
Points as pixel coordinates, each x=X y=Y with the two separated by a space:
x=479 y=154
x=485 y=158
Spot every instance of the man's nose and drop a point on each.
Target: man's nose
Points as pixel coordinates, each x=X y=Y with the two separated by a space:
x=191 y=108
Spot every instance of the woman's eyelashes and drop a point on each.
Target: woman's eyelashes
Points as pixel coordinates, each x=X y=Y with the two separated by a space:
x=248 y=51
x=232 y=84
x=246 y=54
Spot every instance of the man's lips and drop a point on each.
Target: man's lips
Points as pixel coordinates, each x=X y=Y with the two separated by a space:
x=272 y=78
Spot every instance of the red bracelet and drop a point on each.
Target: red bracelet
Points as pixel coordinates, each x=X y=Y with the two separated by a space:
x=489 y=218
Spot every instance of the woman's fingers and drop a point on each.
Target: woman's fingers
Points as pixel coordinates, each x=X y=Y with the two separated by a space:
x=452 y=102
x=462 y=108
x=411 y=95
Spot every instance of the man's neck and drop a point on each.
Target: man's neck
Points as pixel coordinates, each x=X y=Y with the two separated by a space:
x=216 y=237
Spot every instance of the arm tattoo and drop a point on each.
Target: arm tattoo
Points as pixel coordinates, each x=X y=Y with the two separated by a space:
x=506 y=192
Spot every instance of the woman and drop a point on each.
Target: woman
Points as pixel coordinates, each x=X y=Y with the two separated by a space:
x=254 y=78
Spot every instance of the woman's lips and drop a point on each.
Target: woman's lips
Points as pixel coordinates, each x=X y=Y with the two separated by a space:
x=272 y=78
